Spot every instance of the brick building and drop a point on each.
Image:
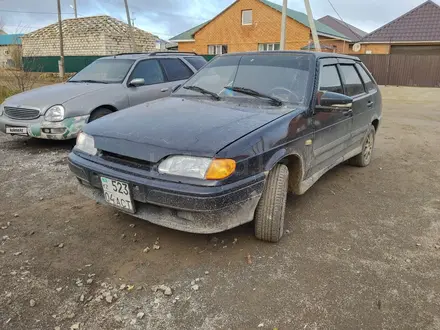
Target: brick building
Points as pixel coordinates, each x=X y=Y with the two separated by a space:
x=10 y=50
x=251 y=25
x=416 y=32
x=86 y=36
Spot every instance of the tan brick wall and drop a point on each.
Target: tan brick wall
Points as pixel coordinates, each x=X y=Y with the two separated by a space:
x=85 y=45
x=226 y=29
x=375 y=49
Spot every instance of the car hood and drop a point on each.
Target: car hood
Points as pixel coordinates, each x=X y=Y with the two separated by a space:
x=173 y=125
x=44 y=97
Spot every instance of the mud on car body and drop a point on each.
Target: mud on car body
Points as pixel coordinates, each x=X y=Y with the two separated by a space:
x=109 y=84
x=227 y=146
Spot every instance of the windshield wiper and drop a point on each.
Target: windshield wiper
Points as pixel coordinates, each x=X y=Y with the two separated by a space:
x=203 y=91
x=252 y=92
x=89 y=81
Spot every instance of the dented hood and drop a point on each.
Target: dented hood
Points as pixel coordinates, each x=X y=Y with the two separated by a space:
x=173 y=125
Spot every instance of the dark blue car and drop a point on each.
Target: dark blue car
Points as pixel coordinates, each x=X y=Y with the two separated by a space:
x=230 y=143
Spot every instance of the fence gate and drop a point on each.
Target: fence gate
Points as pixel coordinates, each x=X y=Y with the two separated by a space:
x=404 y=70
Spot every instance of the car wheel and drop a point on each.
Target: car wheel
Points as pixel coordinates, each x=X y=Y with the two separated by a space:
x=364 y=158
x=269 y=215
x=98 y=113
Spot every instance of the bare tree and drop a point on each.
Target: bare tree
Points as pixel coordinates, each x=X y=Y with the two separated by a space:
x=19 y=74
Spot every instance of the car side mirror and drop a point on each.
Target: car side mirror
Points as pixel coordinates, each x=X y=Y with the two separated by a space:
x=333 y=101
x=137 y=82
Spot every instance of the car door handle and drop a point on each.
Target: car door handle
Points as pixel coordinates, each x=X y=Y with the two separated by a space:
x=348 y=112
x=370 y=104
x=163 y=90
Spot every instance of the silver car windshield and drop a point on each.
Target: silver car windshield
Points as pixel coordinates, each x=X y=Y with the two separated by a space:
x=281 y=76
x=107 y=71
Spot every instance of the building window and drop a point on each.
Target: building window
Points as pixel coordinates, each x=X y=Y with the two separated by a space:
x=217 y=49
x=246 y=17
x=263 y=47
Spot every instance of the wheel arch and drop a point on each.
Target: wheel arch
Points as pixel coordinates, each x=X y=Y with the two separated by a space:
x=294 y=163
x=105 y=106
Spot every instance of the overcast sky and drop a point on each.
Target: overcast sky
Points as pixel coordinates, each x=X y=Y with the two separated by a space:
x=167 y=18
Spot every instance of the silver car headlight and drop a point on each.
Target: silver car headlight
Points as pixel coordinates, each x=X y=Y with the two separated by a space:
x=197 y=167
x=86 y=144
x=55 y=113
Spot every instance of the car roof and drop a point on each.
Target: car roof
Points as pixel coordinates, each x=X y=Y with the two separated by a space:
x=317 y=55
x=137 y=56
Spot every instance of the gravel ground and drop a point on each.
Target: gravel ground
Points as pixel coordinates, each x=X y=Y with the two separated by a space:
x=361 y=250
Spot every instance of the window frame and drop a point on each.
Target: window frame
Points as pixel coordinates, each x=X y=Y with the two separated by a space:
x=353 y=64
x=242 y=17
x=165 y=71
x=369 y=76
x=216 y=47
x=336 y=65
x=267 y=44
x=130 y=76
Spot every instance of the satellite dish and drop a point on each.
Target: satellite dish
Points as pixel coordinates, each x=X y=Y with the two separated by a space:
x=357 y=47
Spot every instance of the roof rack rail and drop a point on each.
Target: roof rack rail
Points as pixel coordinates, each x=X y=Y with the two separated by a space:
x=172 y=53
x=131 y=53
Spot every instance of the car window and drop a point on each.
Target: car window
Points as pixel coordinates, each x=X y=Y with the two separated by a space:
x=353 y=84
x=369 y=84
x=282 y=76
x=175 y=69
x=329 y=80
x=104 y=70
x=196 y=62
x=150 y=71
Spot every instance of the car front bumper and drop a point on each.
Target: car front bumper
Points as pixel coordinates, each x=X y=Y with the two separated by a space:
x=41 y=129
x=190 y=208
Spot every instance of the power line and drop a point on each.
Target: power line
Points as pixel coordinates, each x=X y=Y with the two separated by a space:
x=348 y=26
x=32 y=12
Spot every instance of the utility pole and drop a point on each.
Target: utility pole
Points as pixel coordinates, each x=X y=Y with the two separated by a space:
x=312 y=26
x=74 y=9
x=60 y=28
x=130 y=28
x=283 y=26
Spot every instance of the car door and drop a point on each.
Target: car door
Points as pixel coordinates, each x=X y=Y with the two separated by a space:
x=354 y=87
x=332 y=128
x=155 y=85
x=176 y=72
x=364 y=117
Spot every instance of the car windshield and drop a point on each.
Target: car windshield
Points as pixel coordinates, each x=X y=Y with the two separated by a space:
x=284 y=77
x=107 y=71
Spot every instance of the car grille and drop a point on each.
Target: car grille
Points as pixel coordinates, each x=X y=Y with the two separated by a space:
x=20 y=113
x=127 y=161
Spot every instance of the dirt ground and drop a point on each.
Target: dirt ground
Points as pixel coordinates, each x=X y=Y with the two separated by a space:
x=361 y=250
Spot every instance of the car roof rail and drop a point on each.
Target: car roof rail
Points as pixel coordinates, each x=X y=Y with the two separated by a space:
x=172 y=53
x=134 y=53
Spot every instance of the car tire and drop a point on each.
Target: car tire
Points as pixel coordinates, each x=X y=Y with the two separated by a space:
x=269 y=215
x=98 y=113
x=364 y=158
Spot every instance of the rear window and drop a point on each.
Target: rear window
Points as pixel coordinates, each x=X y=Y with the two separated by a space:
x=175 y=69
x=369 y=84
x=196 y=62
x=353 y=83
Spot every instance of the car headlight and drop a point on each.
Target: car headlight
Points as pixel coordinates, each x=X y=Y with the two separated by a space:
x=55 y=113
x=86 y=144
x=197 y=167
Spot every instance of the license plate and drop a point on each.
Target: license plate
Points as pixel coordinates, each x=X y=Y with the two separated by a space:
x=117 y=194
x=17 y=130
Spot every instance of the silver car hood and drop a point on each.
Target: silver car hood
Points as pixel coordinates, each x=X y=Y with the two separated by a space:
x=44 y=97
